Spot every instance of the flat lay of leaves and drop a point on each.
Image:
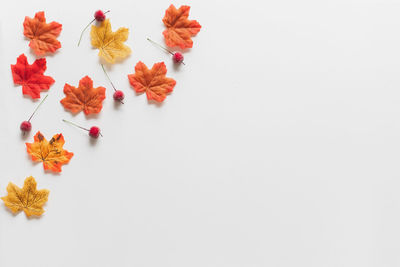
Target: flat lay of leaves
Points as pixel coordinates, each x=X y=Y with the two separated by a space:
x=43 y=35
x=110 y=44
x=51 y=153
x=27 y=198
x=153 y=82
x=31 y=76
x=179 y=28
x=84 y=97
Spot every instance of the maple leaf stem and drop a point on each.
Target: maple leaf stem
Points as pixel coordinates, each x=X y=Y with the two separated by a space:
x=76 y=125
x=108 y=77
x=41 y=102
x=160 y=46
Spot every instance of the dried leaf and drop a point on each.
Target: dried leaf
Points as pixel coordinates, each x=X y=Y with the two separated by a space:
x=85 y=97
x=51 y=153
x=31 y=76
x=153 y=82
x=28 y=198
x=110 y=44
x=179 y=29
x=43 y=35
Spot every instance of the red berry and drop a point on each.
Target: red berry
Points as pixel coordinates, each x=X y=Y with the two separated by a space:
x=94 y=132
x=26 y=126
x=99 y=15
x=177 y=57
x=119 y=95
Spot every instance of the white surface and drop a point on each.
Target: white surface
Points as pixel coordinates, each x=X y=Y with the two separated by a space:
x=278 y=147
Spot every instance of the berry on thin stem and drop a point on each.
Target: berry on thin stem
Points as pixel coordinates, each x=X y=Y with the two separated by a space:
x=118 y=94
x=177 y=57
x=94 y=131
x=98 y=16
x=26 y=126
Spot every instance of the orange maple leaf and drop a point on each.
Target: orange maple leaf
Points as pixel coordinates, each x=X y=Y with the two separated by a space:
x=179 y=29
x=85 y=97
x=51 y=153
x=43 y=35
x=153 y=81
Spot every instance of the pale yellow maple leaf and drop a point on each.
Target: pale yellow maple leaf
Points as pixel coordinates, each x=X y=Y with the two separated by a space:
x=110 y=44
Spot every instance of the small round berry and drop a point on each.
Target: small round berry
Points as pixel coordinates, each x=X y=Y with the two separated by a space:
x=94 y=132
x=26 y=126
x=118 y=95
x=99 y=15
x=177 y=57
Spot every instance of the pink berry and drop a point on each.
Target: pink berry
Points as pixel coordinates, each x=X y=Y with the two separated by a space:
x=177 y=57
x=99 y=15
x=94 y=132
x=119 y=95
x=26 y=126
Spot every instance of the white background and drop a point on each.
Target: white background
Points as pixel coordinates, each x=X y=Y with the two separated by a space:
x=280 y=145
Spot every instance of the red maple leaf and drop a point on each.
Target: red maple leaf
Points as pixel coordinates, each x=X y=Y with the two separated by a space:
x=31 y=76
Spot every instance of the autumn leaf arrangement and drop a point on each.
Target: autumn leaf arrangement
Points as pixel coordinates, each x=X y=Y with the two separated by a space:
x=86 y=97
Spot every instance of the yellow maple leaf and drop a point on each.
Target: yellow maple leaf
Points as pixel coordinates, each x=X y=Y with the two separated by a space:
x=28 y=198
x=110 y=44
x=51 y=153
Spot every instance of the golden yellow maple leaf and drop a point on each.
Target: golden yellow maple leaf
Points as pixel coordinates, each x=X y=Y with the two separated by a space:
x=28 y=198
x=110 y=44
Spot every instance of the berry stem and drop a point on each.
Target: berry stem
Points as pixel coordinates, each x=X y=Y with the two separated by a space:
x=76 y=125
x=108 y=77
x=160 y=46
x=80 y=38
x=41 y=102
x=163 y=48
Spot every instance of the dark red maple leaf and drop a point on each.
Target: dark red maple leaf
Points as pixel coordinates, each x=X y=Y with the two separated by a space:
x=31 y=76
